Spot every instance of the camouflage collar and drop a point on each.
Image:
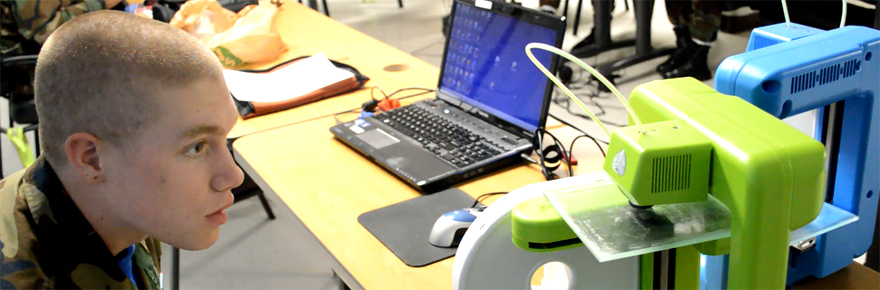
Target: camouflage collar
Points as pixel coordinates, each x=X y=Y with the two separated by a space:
x=62 y=225
x=68 y=216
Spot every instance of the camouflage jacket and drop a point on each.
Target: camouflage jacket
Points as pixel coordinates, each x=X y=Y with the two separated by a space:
x=47 y=243
x=26 y=24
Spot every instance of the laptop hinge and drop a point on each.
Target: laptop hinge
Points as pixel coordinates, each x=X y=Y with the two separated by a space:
x=486 y=117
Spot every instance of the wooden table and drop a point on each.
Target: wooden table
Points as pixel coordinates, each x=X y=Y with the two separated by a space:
x=328 y=185
x=854 y=276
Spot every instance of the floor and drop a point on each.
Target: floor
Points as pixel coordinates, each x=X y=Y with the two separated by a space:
x=256 y=253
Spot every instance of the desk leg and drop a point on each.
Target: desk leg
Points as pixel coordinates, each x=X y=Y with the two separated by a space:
x=877 y=17
x=342 y=285
x=326 y=8
x=644 y=52
x=602 y=20
x=348 y=281
x=175 y=269
x=577 y=18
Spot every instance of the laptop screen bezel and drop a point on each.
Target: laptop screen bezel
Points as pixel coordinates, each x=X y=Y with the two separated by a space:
x=519 y=13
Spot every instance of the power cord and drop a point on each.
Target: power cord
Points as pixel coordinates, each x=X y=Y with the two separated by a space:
x=561 y=154
x=591 y=138
x=565 y=102
x=583 y=134
x=564 y=122
x=544 y=154
x=593 y=92
x=336 y=116
x=477 y=200
x=425 y=91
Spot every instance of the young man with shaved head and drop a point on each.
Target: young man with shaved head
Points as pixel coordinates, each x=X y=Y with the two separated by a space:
x=133 y=121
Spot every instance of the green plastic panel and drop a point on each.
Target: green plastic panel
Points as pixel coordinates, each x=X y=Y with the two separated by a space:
x=666 y=163
x=537 y=227
x=760 y=168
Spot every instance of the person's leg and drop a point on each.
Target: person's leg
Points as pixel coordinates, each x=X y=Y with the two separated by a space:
x=705 y=22
x=679 y=13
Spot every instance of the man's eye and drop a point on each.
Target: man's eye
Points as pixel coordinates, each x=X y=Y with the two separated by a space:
x=196 y=149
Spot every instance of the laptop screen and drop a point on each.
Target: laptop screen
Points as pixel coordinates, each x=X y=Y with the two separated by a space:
x=486 y=66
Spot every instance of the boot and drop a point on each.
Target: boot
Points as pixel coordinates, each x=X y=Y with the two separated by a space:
x=685 y=47
x=696 y=67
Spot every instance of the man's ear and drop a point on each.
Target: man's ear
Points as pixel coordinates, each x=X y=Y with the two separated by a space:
x=83 y=156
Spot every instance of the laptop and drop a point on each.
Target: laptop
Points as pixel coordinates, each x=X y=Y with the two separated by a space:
x=490 y=101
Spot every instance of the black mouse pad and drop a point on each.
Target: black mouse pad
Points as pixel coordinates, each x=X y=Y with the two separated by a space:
x=404 y=227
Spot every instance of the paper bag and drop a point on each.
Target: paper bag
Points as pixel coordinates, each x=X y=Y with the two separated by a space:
x=247 y=37
x=203 y=18
x=253 y=38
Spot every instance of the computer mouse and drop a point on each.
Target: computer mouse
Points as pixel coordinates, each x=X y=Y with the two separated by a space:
x=451 y=226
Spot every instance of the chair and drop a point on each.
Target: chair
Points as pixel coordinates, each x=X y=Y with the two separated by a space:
x=17 y=88
x=644 y=51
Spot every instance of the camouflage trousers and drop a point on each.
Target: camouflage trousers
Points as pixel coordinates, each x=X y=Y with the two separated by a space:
x=702 y=17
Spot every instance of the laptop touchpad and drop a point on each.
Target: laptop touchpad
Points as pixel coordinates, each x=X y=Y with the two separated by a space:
x=377 y=138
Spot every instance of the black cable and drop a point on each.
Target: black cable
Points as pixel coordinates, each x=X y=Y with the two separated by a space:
x=591 y=138
x=565 y=161
x=336 y=116
x=571 y=150
x=477 y=200
x=565 y=102
x=539 y=149
x=595 y=93
x=426 y=90
x=565 y=123
x=612 y=123
x=528 y=158
x=576 y=128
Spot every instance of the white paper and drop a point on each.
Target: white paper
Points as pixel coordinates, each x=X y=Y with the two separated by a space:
x=293 y=80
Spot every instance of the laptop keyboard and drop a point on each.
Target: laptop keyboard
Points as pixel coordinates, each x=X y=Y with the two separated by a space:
x=449 y=141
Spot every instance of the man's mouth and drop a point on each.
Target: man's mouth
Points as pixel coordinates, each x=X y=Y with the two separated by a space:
x=219 y=217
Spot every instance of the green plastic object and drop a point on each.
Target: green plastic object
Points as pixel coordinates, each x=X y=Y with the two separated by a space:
x=668 y=163
x=687 y=269
x=19 y=140
x=536 y=227
x=769 y=175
